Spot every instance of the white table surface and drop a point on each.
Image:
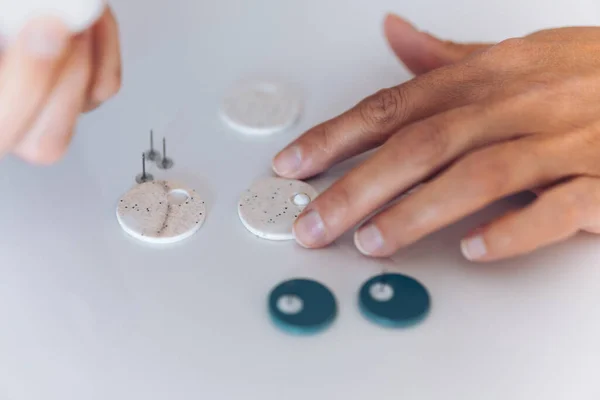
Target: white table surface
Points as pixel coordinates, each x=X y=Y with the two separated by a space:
x=87 y=313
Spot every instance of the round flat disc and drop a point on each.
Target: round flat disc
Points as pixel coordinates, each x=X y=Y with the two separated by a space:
x=394 y=300
x=302 y=306
x=161 y=212
x=270 y=206
x=261 y=107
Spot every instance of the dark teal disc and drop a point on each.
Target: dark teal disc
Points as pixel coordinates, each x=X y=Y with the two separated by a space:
x=302 y=306
x=394 y=300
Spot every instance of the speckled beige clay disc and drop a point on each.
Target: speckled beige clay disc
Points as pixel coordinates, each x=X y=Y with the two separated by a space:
x=261 y=107
x=270 y=206
x=161 y=212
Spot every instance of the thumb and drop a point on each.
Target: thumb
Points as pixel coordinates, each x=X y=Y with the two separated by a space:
x=422 y=52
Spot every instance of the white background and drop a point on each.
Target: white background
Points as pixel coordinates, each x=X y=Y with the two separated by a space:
x=87 y=313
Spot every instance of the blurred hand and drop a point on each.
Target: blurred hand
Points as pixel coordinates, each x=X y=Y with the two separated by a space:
x=479 y=122
x=48 y=77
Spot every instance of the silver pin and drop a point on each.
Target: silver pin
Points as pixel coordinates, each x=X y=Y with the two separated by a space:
x=143 y=177
x=152 y=154
x=165 y=162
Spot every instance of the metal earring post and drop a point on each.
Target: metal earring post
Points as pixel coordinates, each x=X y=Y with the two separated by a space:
x=152 y=154
x=165 y=162
x=143 y=177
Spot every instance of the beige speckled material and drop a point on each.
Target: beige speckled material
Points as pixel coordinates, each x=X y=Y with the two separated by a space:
x=267 y=209
x=261 y=107
x=161 y=212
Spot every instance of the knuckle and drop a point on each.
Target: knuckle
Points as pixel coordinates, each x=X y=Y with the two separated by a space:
x=383 y=109
x=320 y=142
x=488 y=173
x=323 y=145
x=511 y=44
x=427 y=145
x=434 y=141
x=334 y=205
x=504 y=55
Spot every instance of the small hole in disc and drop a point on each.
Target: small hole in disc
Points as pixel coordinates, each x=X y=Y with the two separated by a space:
x=381 y=292
x=290 y=304
x=301 y=199
x=177 y=196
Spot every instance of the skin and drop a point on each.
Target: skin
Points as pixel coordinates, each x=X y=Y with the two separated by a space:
x=477 y=123
x=61 y=75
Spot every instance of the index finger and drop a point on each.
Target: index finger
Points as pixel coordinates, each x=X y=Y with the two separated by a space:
x=373 y=120
x=29 y=70
x=107 y=59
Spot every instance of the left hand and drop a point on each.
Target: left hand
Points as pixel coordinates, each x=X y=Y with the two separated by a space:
x=48 y=77
x=479 y=122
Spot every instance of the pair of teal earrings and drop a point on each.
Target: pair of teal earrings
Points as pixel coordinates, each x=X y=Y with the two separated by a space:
x=305 y=306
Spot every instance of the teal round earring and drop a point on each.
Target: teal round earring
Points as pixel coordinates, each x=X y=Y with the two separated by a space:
x=302 y=306
x=394 y=300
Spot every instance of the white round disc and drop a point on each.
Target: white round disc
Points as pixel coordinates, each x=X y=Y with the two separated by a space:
x=161 y=212
x=267 y=208
x=261 y=107
x=78 y=15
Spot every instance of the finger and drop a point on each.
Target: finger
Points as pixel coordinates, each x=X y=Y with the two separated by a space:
x=3 y=44
x=375 y=119
x=472 y=183
x=422 y=52
x=29 y=70
x=107 y=61
x=556 y=215
x=539 y=190
x=50 y=135
x=415 y=154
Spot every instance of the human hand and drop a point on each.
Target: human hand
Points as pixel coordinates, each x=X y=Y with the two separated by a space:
x=48 y=77
x=479 y=122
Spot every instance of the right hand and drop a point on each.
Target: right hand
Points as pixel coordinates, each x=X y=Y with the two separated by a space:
x=519 y=115
x=48 y=77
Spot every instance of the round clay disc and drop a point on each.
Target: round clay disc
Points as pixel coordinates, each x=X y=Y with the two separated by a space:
x=394 y=300
x=302 y=306
x=270 y=206
x=260 y=107
x=161 y=212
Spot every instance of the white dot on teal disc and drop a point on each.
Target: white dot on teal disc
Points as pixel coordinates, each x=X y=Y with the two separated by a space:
x=394 y=300
x=302 y=306
x=290 y=304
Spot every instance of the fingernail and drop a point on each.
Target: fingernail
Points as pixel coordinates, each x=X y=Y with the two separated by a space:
x=288 y=161
x=46 y=38
x=368 y=239
x=309 y=229
x=473 y=248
